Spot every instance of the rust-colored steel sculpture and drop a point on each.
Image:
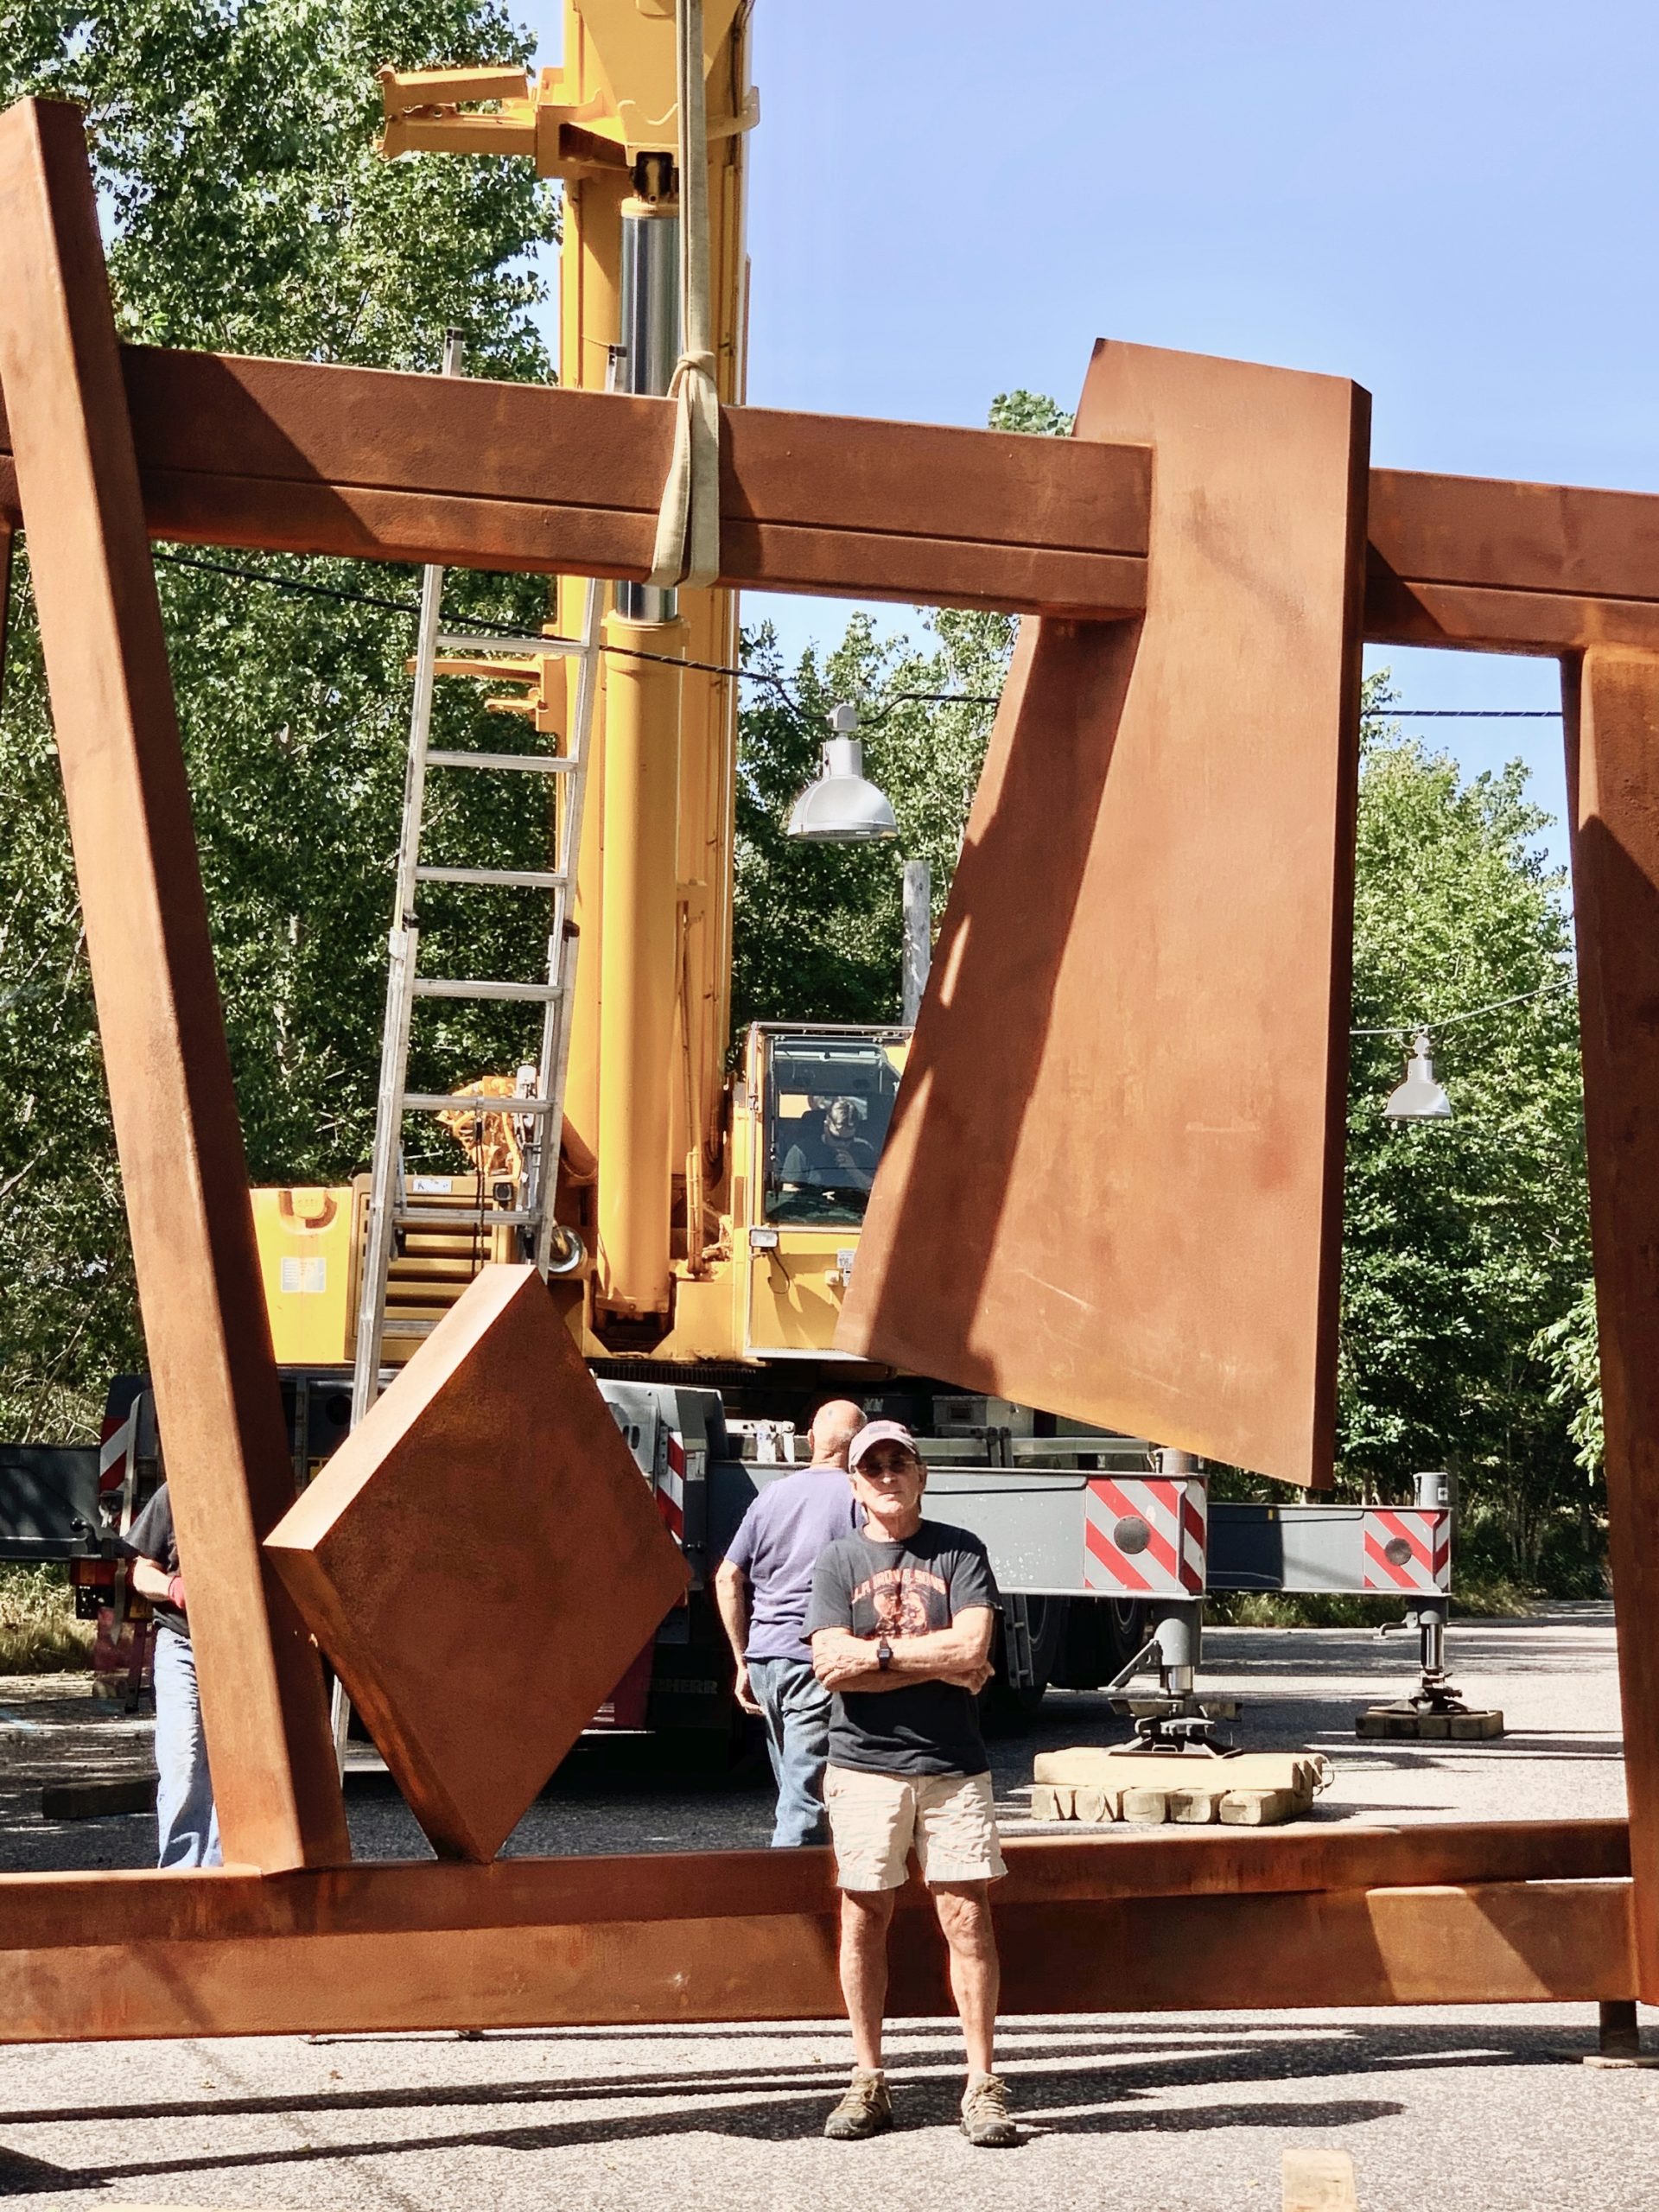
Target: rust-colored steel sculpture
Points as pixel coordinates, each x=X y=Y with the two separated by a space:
x=480 y=1561
x=1613 y=771
x=1200 y=1919
x=1121 y=1118
x=388 y=466
x=182 y=1165
x=1499 y=1912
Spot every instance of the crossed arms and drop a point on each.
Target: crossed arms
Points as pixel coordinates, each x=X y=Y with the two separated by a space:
x=959 y=1655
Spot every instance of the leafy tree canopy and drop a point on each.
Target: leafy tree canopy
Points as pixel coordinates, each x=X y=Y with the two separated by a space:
x=245 y=209
x=1464 y=1238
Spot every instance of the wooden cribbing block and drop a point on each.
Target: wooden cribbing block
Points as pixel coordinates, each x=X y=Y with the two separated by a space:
x=1254 y=1789
x=1193 y=1808
x=95 y=1798
x=1090 y=1765
x=1393 y=1721
x=1319 y=2181
x=1261 y=1808
x=1145 y=1807
x=1094 y=1806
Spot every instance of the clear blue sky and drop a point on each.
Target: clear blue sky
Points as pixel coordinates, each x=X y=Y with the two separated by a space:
x=1451 y=200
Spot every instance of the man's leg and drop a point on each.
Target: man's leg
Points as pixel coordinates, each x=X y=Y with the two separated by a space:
x=804 y=1709
x=866 y=1916
x=964 y=1910
x=187 y=1824
x=763 y=1681
x=957 y=1842
x=871 y=1819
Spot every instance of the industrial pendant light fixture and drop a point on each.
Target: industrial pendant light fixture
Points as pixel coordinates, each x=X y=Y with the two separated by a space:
x=1419 y=1098
x=842 y=807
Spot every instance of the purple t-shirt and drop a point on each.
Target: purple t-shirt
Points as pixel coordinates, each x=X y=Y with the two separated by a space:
x=778 y=1542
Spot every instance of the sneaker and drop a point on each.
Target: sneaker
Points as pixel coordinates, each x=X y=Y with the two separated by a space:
x=986 y=2120
x=866 y=2109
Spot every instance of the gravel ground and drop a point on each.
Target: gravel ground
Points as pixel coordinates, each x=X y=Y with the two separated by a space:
x=1459 y=2108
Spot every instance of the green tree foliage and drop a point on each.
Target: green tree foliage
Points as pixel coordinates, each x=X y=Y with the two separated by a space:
x=1463 y=1239
x=1570 y=1349
x=819 y=928
x=244 y=209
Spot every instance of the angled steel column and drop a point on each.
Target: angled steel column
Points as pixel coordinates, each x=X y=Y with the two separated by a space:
x=171 y=1098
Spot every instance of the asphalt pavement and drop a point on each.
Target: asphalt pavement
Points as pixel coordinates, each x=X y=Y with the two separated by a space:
x=1464 y=2108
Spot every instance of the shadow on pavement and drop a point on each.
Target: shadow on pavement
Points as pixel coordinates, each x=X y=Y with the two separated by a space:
x=1087 y=2080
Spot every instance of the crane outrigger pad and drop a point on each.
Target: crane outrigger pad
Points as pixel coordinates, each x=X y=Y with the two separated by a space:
x=1113 y=1184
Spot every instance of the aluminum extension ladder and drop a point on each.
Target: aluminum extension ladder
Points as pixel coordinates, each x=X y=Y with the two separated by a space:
x=389 y=1209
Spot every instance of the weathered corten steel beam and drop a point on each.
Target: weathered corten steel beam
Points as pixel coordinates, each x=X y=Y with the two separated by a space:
x=295 y=457
x=1612 y=703
x=183 y=1169
x=1502 y=1942
x=303 y=457
x=1488 y=565
x=416 y=1897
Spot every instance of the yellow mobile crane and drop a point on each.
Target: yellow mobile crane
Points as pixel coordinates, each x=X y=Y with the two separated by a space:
x=681 y=1239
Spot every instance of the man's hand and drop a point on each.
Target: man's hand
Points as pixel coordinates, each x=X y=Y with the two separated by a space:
x=747 y=1702
x=175 y=1593
x=838 y=1656
x=843 y=1661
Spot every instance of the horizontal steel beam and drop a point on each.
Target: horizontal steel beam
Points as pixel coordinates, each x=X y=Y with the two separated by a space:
x=307 y=457
x=56 y=1911
x=376 y=464
x=1503 y=1942
x=1485 y=563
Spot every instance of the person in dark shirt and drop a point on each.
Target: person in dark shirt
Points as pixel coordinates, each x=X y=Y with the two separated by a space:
x=186 y=1820
x=900 y=1623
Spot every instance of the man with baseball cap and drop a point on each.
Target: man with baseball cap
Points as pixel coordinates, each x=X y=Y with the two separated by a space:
x=900 y=1624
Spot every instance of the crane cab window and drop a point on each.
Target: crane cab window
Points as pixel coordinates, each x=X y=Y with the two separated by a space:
x=829 y=1102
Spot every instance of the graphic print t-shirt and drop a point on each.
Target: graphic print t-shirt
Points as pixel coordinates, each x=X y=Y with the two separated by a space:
x=905 y=1589
x=152 y=1538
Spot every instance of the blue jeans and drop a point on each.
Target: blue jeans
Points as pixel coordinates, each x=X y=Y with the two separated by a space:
x=796 y=1707
x=187 y=1824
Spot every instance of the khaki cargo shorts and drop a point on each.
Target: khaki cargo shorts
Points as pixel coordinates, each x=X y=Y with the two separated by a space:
x=875 y=1818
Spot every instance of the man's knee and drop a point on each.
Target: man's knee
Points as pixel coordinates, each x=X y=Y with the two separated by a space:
x=866 y=1915
x=965 y=1911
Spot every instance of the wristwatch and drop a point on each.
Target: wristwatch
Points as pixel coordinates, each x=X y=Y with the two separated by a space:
x=884 y=1655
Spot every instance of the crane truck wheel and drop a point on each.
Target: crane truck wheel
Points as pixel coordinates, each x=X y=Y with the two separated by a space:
x=1008 y=1710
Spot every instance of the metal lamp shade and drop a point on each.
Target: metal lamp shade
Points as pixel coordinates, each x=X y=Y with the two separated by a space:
x=842 y=807
x=1419 y=1098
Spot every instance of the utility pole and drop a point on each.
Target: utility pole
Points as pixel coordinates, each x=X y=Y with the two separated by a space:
x=918 y=938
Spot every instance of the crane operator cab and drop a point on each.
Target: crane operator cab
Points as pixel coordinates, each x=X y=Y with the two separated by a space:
x=824 y=1098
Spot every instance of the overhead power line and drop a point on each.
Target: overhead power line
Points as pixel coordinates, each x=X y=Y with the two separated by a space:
x=886 y=705
x=1469 y=1014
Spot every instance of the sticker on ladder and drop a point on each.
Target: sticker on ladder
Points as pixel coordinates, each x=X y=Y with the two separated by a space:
x=1144 y=1536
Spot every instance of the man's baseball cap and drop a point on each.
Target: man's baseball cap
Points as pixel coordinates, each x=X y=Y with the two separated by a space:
x=879 y=1432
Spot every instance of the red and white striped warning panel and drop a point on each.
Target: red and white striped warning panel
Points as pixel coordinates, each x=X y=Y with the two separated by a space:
x=1408 y=1547
x=1144 y=1536
x=671 y=1489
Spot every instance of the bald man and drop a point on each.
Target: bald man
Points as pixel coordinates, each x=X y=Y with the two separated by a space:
x=762 y=1587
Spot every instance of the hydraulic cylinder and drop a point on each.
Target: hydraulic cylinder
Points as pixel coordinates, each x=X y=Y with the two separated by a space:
x=639 y=965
